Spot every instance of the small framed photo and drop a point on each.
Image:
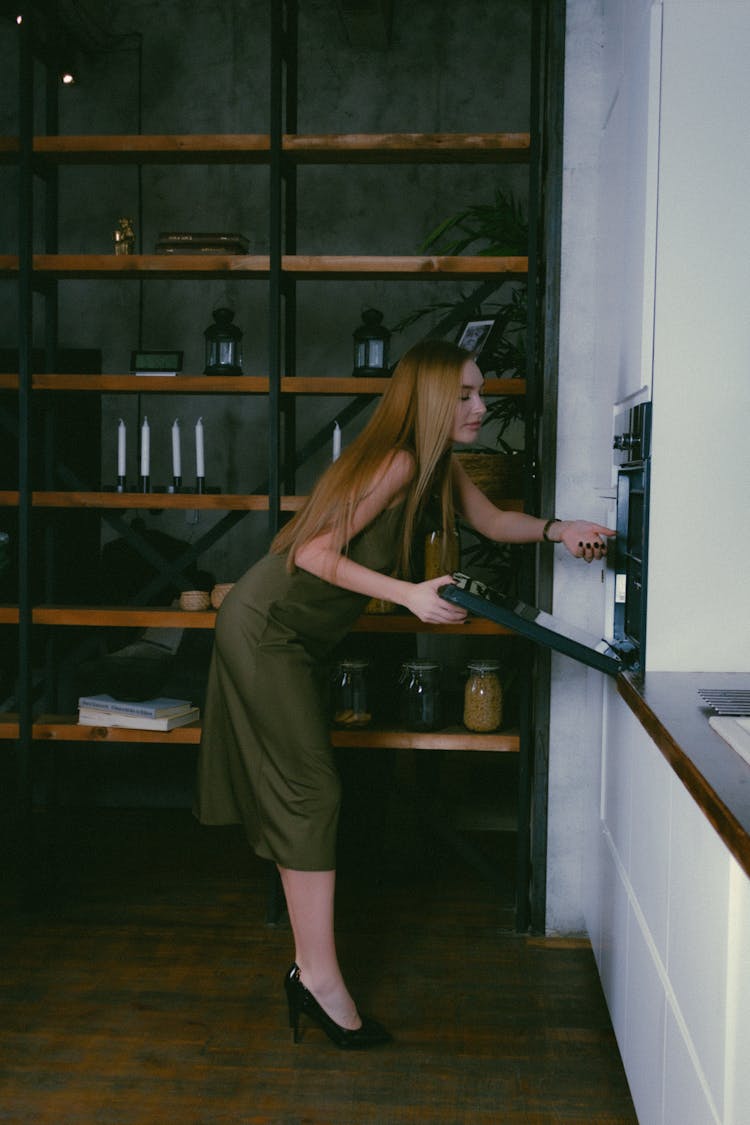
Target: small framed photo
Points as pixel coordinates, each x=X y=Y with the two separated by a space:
x=475 y=334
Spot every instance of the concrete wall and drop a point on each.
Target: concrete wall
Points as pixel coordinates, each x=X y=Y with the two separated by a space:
x=585 y=393
x=451 y=67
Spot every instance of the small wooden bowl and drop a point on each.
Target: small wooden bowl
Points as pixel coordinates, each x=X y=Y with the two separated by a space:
x=194 y=599
x=219 y=592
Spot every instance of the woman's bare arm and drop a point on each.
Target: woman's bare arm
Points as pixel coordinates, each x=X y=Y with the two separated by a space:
x=582 y=538
x=323 y=557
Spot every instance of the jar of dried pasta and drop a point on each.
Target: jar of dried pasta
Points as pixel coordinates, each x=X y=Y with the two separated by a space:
x=483 y=696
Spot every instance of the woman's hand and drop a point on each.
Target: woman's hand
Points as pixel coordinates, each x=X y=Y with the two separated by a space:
x=426 y=604
x=584 y=540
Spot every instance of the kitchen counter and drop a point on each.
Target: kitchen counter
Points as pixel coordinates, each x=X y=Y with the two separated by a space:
x=668 y=706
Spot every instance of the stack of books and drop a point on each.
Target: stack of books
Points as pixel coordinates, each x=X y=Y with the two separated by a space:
x=145 y=714
x=188 y=242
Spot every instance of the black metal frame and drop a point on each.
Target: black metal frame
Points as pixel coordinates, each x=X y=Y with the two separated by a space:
x=24 y=746
x=546 y=115
x=545 y=217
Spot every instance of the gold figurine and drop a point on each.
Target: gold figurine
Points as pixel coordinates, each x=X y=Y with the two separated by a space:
x=124 y=237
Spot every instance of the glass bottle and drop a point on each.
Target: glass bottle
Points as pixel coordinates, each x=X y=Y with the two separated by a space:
x=433 y=554
x=483 y=696
x=351 y=706
x=421 y=706
x=379 y=605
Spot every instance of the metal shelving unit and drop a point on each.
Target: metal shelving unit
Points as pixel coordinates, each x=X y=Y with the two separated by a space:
x=283 y=150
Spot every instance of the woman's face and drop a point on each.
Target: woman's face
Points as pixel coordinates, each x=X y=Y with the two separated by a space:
x=470 y=408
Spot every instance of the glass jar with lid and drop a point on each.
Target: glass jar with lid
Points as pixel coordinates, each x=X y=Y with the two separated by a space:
x=434 y=553
x=350 y=694
x=421 y=707
x=483 y=696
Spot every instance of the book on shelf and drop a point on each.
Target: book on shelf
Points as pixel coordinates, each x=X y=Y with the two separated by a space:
x=155 y=708
x=230 y=248
x=92 y=717
x=201 y=242
x=202 y=236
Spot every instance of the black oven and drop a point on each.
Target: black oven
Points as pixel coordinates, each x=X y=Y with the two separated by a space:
x=626 y=650
x=632 y=459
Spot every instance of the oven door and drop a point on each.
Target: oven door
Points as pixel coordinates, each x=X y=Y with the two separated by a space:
x=535 y=624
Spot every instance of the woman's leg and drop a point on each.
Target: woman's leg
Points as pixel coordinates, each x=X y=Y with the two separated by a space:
x=309 y=900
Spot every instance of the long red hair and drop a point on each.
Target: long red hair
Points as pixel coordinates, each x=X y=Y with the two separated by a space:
x=416 y=413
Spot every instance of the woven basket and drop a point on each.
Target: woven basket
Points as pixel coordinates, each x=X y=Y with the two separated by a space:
x=219 y=592
x=194 y=599
x=499 y=475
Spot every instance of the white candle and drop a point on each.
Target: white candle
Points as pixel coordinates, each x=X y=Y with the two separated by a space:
x=121 y=448
x=176 y=455
x=145 y=448
x=336 y=442
x=200 y=466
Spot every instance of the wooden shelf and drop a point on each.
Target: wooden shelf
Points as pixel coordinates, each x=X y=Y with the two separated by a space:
x=172 y=617
x=406 y=623
x=229 y=384
x=408 y=148
x=255 y=148
x=453 y=738
x=181 y=501
x=137 y=267
x=155 y=501
x=322 y=266
x=64 y=728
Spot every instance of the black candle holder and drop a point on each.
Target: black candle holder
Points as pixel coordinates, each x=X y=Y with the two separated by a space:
x=145 y=484
x=200 y=484
x=122 y=484
x=176 y=484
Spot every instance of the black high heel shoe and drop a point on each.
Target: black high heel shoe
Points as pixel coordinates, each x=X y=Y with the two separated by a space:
x=301 y=1000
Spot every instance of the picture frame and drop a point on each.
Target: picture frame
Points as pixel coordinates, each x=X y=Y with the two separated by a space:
x=155 y=361
x=475 y=334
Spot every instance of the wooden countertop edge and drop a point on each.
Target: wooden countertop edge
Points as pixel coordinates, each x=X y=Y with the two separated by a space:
x=734 y=835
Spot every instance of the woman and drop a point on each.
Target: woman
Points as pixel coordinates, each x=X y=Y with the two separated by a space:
x=266 y=759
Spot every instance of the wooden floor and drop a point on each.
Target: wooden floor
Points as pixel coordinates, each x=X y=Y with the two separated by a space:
x=149 y=990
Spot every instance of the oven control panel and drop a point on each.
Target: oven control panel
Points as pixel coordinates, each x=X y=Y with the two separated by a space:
x=632 y=464
x=631 y=441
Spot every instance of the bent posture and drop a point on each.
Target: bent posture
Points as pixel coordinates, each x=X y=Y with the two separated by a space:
x=266 y=758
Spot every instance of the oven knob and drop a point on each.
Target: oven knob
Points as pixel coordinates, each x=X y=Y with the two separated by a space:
x=625 y=442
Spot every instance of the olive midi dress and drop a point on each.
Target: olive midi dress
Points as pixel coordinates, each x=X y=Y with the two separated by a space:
x=265 y=759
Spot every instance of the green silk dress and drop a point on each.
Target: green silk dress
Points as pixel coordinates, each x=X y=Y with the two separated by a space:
x=265 y=759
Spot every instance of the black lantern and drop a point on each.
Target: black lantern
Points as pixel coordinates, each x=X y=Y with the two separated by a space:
x=371 y=341
x=223 y=345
